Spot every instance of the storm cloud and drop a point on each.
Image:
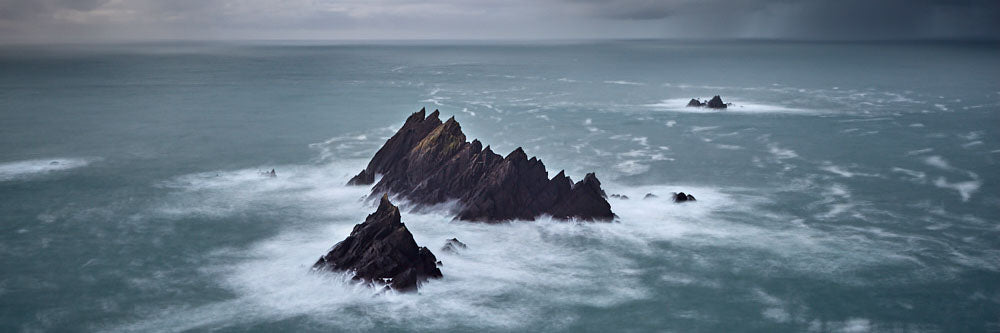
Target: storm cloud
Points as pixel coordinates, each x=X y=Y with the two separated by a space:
x=98 y=20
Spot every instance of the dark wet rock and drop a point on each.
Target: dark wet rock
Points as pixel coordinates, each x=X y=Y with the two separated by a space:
x=382 y=250
x=716 y=103
x=430 y=162
x=682 y=197
x=650 y=196
x=439 y=263
x=619 y=196
x=453 y=245
x=695 y=103
x=363 y=178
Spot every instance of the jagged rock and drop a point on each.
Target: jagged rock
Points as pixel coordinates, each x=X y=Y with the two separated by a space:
x=430 y=162
x=681 y=197
x=650 y=196
x=453 y=245
x=619 y=196
x=382 y=250
x=716 y=103
x=695 y=103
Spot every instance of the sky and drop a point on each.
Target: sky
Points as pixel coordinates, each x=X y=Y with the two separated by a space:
x=130 y=20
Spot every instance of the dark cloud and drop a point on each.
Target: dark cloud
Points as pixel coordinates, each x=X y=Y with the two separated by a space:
x=42 y=20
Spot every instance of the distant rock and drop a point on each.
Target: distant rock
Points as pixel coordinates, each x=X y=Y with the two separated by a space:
x=382 y=250
x=430 y=162
x=682 y=197
x=695 y=103
x=716 y=103
x=453 y=245
x=650 y=196
x=619 y=196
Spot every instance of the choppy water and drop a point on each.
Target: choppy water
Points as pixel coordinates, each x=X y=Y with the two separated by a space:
x=852 y=188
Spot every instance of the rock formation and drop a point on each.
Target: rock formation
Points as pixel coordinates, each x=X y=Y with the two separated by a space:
x=453 y=245
x=619 y=196
x=430 y=162
x=714 y=103
x=382 y=250
x=682 y=197
x=650 y=196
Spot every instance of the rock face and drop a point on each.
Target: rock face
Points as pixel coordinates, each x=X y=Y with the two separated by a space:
x=695 y=103
x=716 y=103
x=430 y=162
x=382 y=250
x=682 y=197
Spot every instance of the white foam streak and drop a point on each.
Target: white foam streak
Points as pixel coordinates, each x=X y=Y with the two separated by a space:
x=31 y=168
x=738 y=107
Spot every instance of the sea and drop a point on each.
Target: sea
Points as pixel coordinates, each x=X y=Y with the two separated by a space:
x=850 y=186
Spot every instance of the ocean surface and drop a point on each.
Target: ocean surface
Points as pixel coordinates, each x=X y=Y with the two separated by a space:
x=852 y=187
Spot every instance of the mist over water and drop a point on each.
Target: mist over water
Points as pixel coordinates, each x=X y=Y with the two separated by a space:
x=850 y=187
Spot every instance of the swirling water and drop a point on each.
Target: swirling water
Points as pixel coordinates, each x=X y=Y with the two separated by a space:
x=851 y=187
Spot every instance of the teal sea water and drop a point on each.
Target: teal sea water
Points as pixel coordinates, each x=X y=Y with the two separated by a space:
x=853 y=186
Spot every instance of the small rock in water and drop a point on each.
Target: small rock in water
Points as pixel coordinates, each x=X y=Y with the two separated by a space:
x=716 y=103
x=650 y=196
x=619 y=196
x=453 y=245
x=382 y=250
x=682 y=197
x=54 y=163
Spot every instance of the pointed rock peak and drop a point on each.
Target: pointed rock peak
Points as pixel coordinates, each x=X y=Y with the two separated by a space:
x=415 y=118
x=591 y=178
x=386 y=207
x=434 y=115
x=560 y=175
x=452 y=126
x=476 y=145
x=517 y=154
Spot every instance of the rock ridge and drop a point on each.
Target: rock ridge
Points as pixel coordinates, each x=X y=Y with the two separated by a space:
x=430 y=162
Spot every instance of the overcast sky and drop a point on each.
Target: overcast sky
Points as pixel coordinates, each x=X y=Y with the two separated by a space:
x=112 y=20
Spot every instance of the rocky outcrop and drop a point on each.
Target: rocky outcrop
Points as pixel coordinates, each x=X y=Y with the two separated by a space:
x=430 y=162
x=650 y=196
x=682 y=197
x=382 y=250
x=453 y=245
x=619 y=196
x=716 y=103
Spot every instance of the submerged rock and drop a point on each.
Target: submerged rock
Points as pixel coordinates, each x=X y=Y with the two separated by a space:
x=382 y=250
x=430 y=162
x=695 y=103
x=650 y=196
x=619 y=196
x=682 y=197
x=453 y=245
x=716 y=103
